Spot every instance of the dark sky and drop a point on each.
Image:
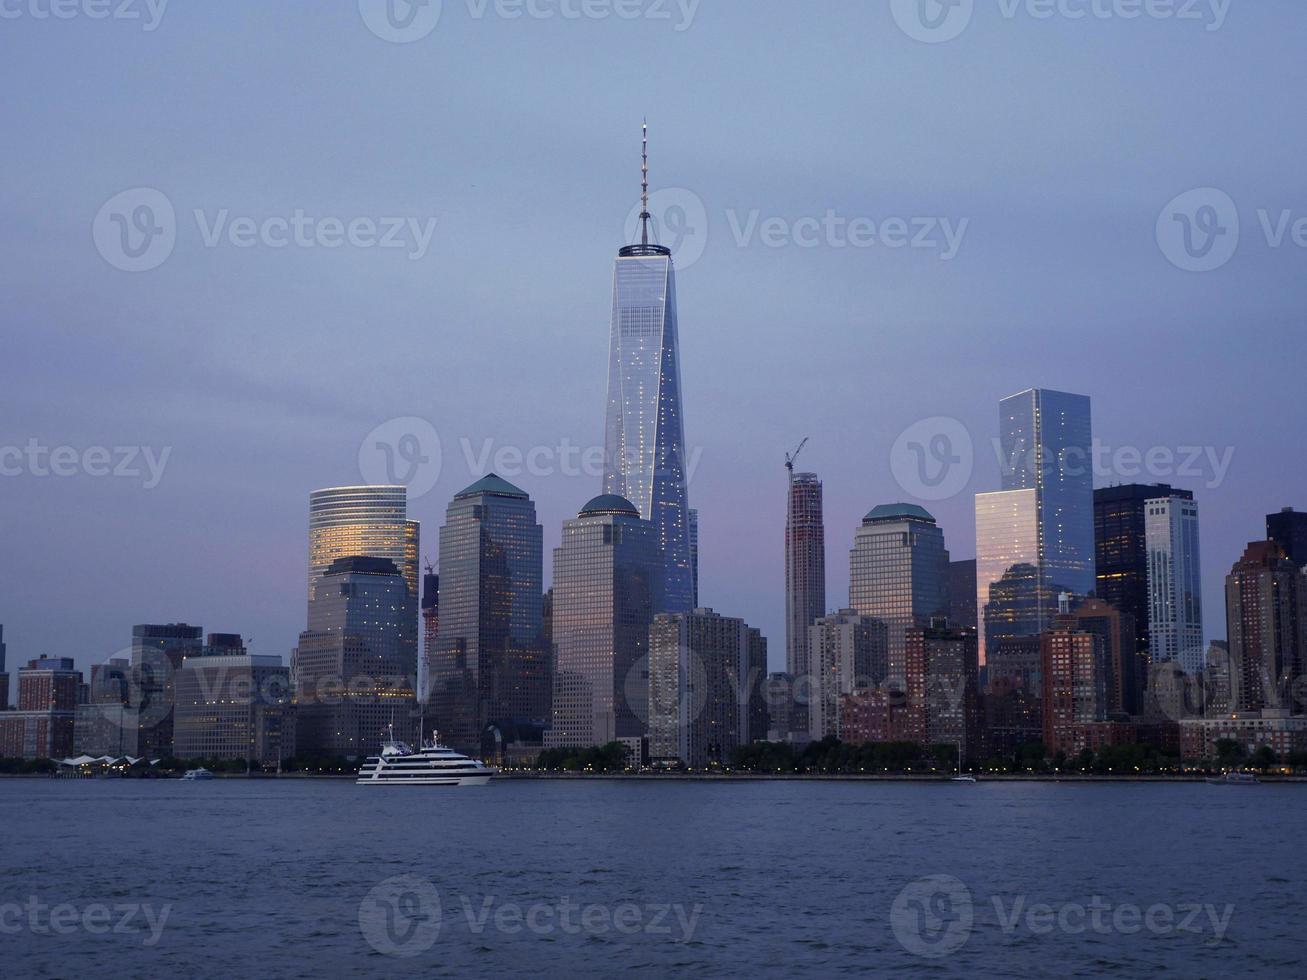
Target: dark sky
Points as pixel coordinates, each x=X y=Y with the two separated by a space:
x=1050 y=147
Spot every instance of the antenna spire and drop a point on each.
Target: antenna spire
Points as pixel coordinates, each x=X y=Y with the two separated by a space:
x=644 y=183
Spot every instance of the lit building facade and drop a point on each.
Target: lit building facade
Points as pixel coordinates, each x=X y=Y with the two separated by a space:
x=608 y=580
x=1175 y=596
x=1266 y=615
x=367 y=521
x=489 y=666
x=234 y=706
x=805 y=570
x=1288 y=529
x=707 y=674
x=898 y=573
x=42 y=727
x=1121 y=550
x=350 y=671
x=943 y=696
x=1075 y=683
x=849 y=653
x=644 y=433
x=1047 y=522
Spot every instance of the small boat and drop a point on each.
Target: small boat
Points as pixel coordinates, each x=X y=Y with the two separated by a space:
x=1234 y=778
x=200 y=773
x=962 y=777
x=432 y=765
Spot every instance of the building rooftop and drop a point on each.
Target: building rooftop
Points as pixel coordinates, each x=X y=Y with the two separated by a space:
x=897 y=512
x=494 y=485
x=609 y=503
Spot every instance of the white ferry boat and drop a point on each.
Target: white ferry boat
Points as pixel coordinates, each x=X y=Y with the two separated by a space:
x=432 y=765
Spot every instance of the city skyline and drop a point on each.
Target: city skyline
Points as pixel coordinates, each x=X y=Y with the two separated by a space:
x=861 y=309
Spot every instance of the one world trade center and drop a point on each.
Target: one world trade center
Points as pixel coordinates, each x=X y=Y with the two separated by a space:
x=644 y=438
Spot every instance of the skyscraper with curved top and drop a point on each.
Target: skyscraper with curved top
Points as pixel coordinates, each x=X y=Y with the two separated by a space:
x=644 y=436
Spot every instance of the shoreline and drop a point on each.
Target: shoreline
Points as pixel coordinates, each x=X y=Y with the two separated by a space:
x=725 y=777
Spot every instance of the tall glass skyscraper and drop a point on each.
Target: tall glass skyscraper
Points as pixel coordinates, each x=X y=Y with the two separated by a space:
x=489 y=666
x=644 y=435
x=805 y=570
x=607 y=587
x=898 y=573
x=1175 y=592
x=1035 y=538
x=372 y=522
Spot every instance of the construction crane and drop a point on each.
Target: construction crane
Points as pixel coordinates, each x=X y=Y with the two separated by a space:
x=791 y=457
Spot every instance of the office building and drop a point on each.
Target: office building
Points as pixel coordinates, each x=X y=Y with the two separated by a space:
x=1121 y=550
x=849 y=653
x=1175 y=597
x=231 y=704
x=157 y=651
x=608 y=580
x=1288 y=529
x=942 y=687
x=962 y=594
x=372 y=522
x=644 y=433
x=489 y=666
x=42 y=727
x=805 y=574
x=706 y=678
x=898 y=573
x=1036 y=535
x=1266 y=615
x=1074 y=669
x=350 y=670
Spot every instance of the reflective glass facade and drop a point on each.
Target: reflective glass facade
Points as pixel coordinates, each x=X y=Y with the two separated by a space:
x=369 y=521
x=644 y=436
x=898 y=573
x=1175 y=596
x=488 y=665
x=607 y=587
x=805 y=570
x=1046 y=438
x=1011 y=596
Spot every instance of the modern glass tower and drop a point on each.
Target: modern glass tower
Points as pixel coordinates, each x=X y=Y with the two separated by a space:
x=644 y=435
x=607 y=588
x=1046 y=438
x=898 y=573
x=805 y=570
x=489 y=666
x=1175 y=593
x=1035 y=537
x=372 y=522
